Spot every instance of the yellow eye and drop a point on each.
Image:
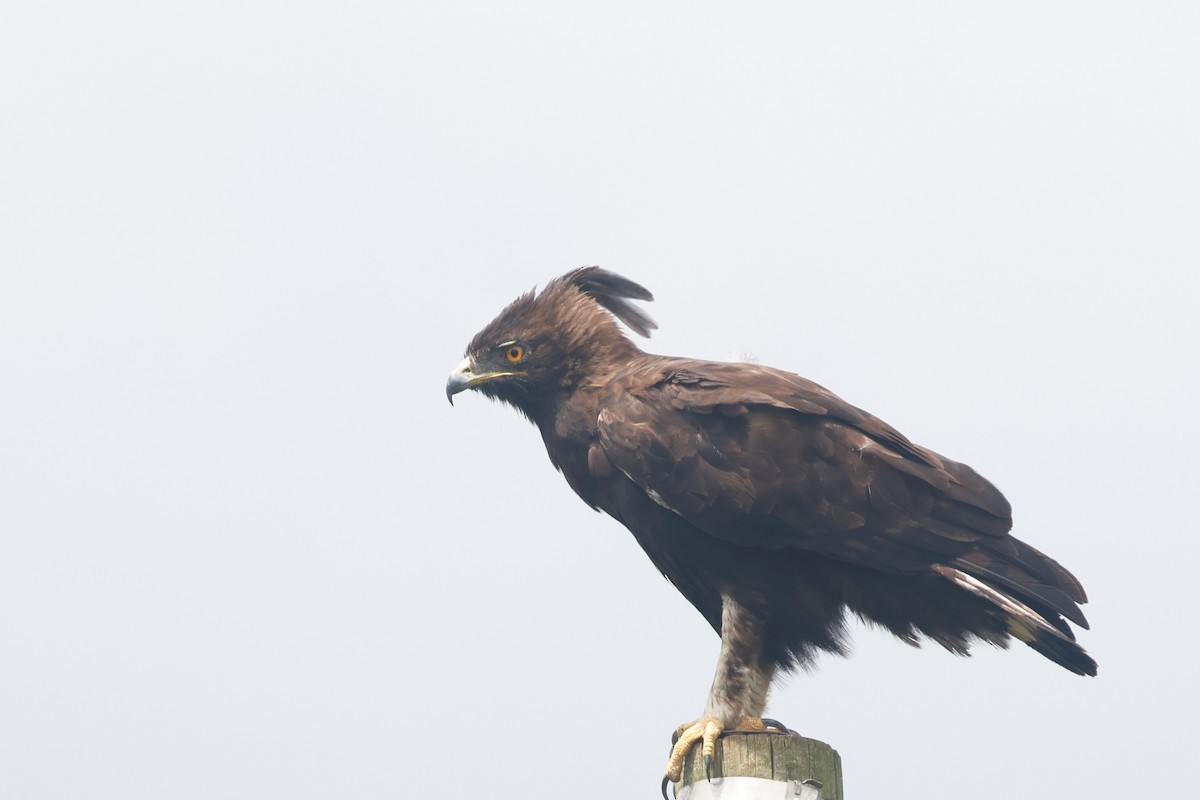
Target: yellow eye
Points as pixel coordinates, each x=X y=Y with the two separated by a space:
x=514 y=353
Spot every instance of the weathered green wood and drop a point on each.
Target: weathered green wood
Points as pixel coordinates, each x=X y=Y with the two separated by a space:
x=770 y=755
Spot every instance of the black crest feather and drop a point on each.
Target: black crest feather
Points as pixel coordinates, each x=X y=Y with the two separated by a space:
x=612 y=292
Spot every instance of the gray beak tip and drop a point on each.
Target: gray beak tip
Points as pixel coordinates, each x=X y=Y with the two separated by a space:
x=459 y=380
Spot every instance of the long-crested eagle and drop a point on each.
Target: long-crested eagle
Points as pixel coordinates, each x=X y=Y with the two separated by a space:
x=772 y=504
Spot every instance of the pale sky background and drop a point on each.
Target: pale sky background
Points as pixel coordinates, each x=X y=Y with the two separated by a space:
x=247 y=550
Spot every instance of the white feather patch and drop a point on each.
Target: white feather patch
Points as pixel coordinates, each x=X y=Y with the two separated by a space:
x=1018 y=610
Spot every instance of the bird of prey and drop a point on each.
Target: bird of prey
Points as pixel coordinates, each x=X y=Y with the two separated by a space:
x=773 y=505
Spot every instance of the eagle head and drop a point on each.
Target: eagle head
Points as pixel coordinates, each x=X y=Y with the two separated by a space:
x=545 y=344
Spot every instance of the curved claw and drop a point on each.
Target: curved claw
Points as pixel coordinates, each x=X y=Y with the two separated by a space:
x=666 y=780
x=777 y=725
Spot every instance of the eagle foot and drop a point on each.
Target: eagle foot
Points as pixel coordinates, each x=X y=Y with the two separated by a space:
x=689 y=733
x=706 y=730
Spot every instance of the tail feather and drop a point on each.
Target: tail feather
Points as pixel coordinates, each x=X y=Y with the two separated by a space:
x=1024 y=623
x=1035 y=578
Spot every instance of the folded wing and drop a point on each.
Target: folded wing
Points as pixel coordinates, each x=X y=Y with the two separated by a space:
x=767 y=459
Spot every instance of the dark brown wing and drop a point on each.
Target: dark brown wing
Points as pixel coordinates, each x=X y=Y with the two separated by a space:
x=764 y=458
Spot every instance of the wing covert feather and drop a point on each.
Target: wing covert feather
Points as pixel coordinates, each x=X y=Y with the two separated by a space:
x=764 y=458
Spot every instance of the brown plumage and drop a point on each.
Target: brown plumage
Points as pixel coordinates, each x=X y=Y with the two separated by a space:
x=769 y=502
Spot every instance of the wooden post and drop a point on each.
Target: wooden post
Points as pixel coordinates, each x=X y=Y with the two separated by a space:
x=764 y=765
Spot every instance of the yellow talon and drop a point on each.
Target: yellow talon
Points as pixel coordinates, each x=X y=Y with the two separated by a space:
x=706 y=730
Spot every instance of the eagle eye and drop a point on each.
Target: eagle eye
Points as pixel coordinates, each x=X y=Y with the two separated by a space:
x=514 y=353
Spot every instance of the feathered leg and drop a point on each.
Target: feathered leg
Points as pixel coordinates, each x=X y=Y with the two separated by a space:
x=739 y=689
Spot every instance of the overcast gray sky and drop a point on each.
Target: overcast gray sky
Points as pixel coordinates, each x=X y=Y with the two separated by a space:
x=246 y=548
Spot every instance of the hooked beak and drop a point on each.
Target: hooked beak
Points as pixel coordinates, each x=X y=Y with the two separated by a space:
x=459 y=380
x=463 y=377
